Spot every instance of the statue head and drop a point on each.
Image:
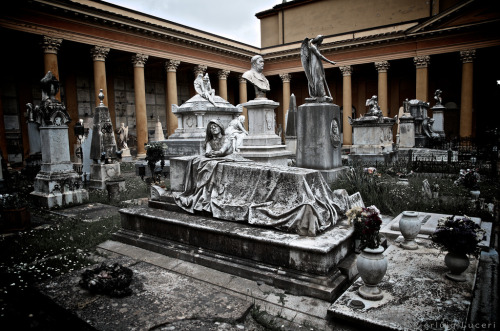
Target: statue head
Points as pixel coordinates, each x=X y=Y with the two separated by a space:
x=206 y=78
x=258 y=63
x=241 y=118
x=318 y=40
x=214 y=127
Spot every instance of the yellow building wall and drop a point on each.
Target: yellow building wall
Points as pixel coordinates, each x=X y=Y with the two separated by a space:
x=269 y=31
x=329 y=17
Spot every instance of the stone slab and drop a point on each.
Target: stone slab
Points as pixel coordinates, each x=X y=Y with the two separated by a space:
x=272 y=154
x=417 y=295
x=160 y=299
x=299 y=309
x=89 y=212
x=429 y=223
x=303 y=265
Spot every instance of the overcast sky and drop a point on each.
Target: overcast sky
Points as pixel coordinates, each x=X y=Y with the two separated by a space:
x=234 y=19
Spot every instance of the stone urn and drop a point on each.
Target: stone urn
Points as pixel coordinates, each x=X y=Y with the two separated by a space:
x=409 y=225
x=372 y=266
x=457 y=263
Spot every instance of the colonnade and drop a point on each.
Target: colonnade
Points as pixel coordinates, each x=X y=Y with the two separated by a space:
x=422 y=88
x=51 y=46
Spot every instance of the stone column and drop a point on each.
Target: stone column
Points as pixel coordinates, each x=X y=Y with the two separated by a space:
x=50 y=47
x=99 y=54
x=467 y=57
x=347 y=104
x=286 y=98
x=199 y=69
x=222 y=75
x=421 y=63
x=382 y=68
x=171 y=67
x=141 y=119
x=243 y=97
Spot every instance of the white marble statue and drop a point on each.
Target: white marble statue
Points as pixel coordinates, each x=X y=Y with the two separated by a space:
x=217 y=144
x=204 y=88
x=122 y=132
x=313 y=67
x=374 y=107
x=257 y=78
x=236 y=132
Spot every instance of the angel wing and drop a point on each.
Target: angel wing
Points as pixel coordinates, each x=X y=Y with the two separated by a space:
x=305 y=57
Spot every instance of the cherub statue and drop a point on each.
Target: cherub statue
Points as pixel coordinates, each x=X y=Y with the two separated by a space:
x=236 y=132
x=217 y=144
x=374 y=107
x=313 y=68
x=437 y=97
x=204 y=88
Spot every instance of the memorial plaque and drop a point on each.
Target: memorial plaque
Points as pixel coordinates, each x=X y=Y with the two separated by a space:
x=356 y=200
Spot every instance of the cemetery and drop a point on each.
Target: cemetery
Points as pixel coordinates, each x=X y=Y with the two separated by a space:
x=275 y=213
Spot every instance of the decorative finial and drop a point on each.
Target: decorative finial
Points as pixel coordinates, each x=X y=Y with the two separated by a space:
x=101 y=97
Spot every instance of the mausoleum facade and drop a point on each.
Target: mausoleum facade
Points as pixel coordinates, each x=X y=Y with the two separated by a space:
x=146 y=64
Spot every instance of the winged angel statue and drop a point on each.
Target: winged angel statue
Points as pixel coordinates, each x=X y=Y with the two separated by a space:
x=313 y=67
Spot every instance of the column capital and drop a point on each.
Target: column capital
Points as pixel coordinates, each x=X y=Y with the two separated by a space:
x=139 y=60
x=422 y=61
x=346 y=70
x=241 y=79
x=468 y=55
x=199 y=69
x=286 y=77
x=99 y=53
x=171 y=65
x=51 y=45
x=223 y=73
x=382 y=66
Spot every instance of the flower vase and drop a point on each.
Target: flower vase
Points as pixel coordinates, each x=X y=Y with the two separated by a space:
x=372 y=266
x=457 y=263
x=409 y=225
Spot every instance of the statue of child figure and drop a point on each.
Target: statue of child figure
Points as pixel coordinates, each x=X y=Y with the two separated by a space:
x=236 y=132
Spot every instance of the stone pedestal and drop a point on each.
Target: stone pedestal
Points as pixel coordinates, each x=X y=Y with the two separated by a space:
x=101 y=173
x=319 y=138
x=57 y=184
x=406 y=132
x=438 y=116
x=126 y=156
x=262 y=143
x=372 y=140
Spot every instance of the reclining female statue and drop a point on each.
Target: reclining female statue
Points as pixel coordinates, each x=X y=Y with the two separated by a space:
x=216 y=142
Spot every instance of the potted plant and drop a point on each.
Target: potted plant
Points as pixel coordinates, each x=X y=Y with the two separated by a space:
x=371 y=263
x=14 y=212
x=154 y=153
x=459 y=236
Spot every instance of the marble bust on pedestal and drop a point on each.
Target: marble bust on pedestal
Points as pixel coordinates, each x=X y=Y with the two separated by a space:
x=257 y=78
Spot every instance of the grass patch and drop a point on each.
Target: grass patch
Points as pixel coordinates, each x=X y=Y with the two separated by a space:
x=391 y=195
x=41 y=254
